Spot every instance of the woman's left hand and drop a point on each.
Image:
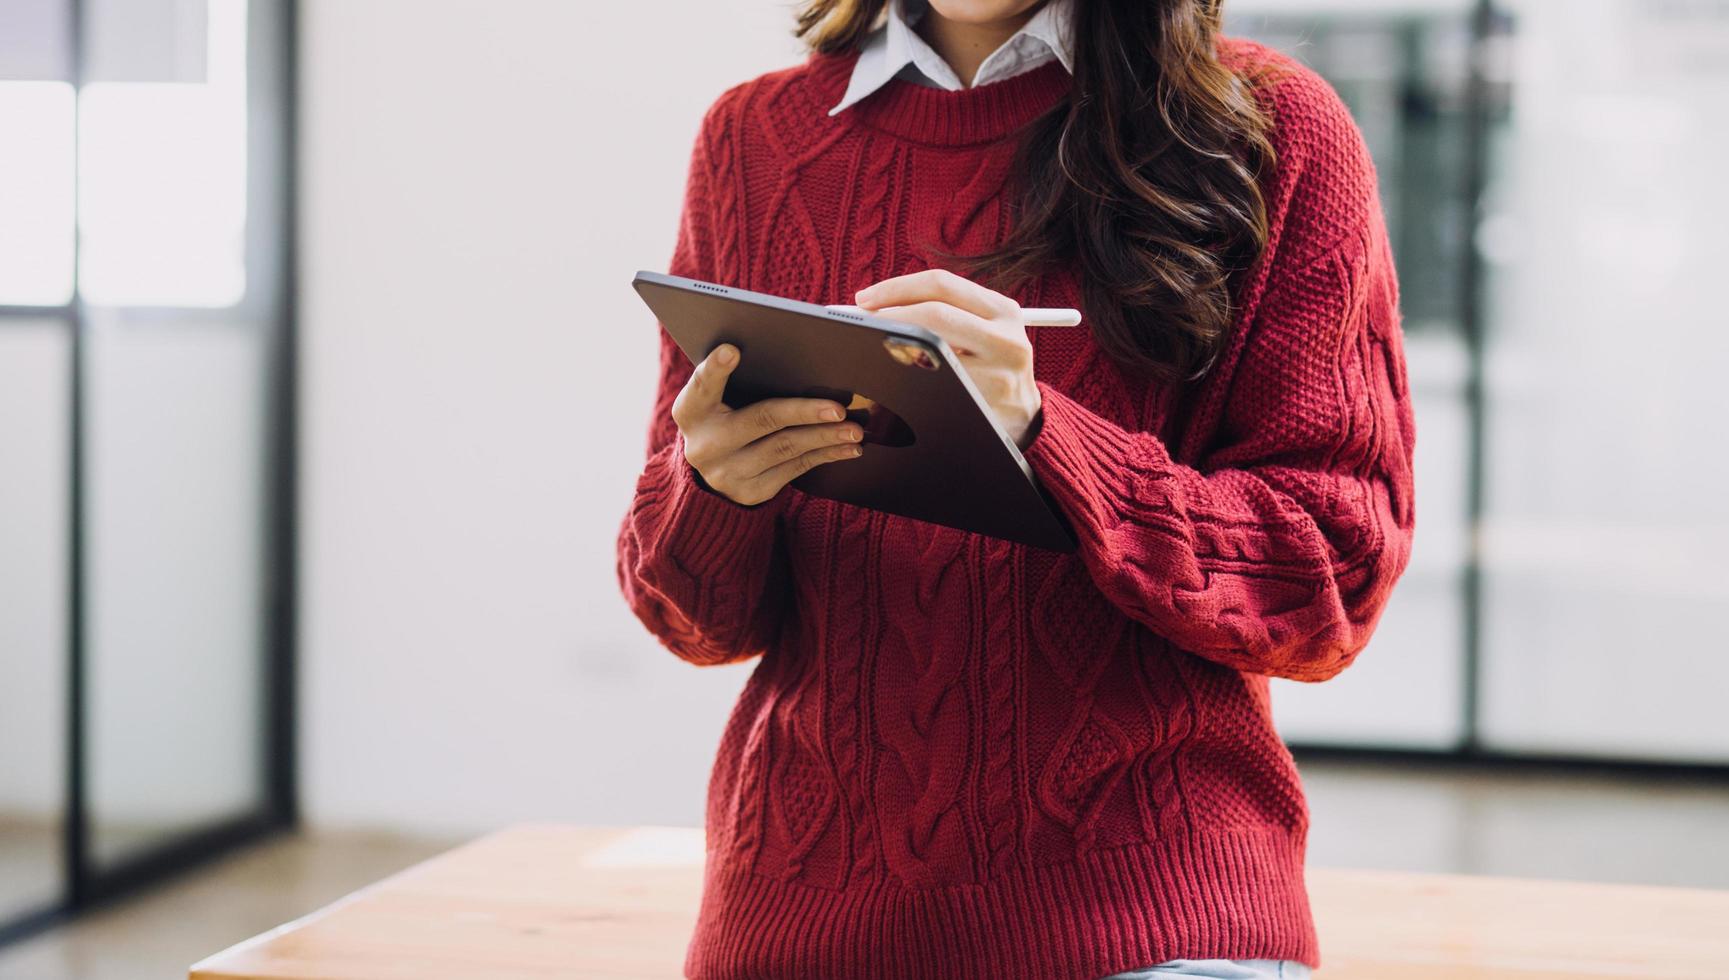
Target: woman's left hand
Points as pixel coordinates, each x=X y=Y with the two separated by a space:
x=984 y=328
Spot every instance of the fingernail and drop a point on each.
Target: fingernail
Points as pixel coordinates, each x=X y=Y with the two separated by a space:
x=832 y=414
x=725 y=354
x=855 y=451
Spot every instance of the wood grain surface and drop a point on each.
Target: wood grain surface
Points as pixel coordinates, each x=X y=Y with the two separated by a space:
x=558 y=901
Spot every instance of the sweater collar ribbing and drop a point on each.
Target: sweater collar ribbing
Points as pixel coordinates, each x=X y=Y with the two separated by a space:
x=974 y=115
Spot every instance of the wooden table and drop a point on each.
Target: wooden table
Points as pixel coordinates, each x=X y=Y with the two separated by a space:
x=552 y=901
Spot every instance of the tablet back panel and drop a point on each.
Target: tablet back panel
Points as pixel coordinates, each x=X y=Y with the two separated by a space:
x=947 y=461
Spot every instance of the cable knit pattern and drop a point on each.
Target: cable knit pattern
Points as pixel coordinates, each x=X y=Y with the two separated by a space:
x=1001 y=652
x=964 y=758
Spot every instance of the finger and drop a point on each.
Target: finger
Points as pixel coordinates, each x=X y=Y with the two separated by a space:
x=960 y=328
x=758 y=419
x=937 y=284
x=701 y=394
x=776 y=477
x=794 y=441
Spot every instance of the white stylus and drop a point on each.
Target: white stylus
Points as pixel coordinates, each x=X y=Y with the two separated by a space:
x=1032 y=316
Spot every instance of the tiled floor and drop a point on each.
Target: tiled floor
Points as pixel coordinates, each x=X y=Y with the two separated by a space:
x=1658 y=830
x=31 y=861
x=29 y=864
x=1646 y=829
x=160 y=934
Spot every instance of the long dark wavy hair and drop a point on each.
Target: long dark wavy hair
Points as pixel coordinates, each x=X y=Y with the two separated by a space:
x=1146 y=179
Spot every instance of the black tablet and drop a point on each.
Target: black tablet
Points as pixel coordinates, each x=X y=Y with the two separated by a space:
x=933 y=451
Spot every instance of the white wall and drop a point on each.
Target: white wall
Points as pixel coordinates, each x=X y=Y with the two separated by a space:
x=473 y=174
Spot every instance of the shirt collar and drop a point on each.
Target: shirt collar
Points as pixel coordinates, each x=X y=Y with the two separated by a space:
x=895 y=46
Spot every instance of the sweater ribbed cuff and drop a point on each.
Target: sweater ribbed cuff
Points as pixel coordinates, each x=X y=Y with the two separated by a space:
x=707 y=534
x=1089 y=465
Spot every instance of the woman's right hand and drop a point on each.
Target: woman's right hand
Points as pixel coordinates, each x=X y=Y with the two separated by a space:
x=747 y=454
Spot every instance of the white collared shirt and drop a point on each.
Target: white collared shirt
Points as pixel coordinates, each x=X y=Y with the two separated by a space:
x=895 y=49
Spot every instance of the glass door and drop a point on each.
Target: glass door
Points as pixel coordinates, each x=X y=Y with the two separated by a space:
x=1606 y=517
x=34 y=360
x=145 y=410
x=37 y=262
x=179 y=306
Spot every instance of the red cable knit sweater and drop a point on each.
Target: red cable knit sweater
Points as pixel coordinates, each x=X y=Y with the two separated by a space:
x=961 y=758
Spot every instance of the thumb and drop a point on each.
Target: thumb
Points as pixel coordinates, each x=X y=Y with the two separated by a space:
x=708 y=381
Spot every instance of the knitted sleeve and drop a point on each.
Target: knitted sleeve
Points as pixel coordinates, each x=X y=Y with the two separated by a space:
x=1275 y=554
x=702 y=572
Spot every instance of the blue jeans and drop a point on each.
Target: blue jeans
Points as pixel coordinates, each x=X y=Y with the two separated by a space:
x=1219 y=970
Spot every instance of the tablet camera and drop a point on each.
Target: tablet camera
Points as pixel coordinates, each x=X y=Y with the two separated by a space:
x=910 y=353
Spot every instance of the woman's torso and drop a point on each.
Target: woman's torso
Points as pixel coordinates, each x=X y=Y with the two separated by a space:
x=927 y=681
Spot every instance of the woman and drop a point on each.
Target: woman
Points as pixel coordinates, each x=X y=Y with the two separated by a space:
x=960 y=757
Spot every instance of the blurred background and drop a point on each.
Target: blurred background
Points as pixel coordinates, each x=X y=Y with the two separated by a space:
x=322 y=394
